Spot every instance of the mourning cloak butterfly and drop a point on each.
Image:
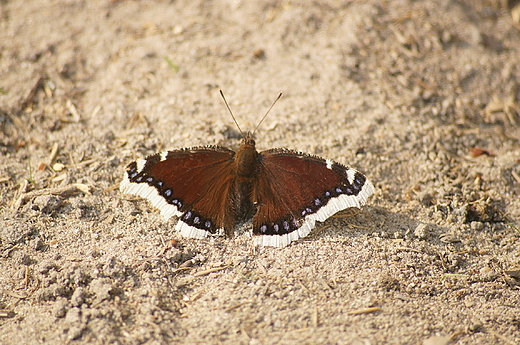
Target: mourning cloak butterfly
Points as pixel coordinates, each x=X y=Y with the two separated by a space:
x=212 y=188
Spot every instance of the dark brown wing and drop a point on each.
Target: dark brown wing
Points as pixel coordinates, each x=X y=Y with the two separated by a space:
x=293 y=190
x=191 y=183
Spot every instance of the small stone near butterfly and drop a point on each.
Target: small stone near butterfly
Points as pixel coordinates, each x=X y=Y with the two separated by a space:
x=58 y=166
x=437 y=340
x=477 y=152
x=513 y=272
x=259 y=53
x=173 y=243
x=514 y=10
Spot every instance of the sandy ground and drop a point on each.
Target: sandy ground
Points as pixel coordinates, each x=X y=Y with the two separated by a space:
x=421 y=96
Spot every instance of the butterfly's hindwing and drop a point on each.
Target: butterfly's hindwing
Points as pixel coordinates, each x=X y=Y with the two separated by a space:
x=294 y=190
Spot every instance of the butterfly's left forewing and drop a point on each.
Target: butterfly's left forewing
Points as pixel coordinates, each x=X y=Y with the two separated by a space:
x=192 y=184
x=293 y=190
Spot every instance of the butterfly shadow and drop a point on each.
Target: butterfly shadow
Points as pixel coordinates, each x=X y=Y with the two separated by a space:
x=377 y=221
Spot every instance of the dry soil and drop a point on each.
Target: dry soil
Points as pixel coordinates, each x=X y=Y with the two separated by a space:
x=421 y=96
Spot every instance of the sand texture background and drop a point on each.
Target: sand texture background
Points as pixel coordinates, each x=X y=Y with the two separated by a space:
x=421 y=96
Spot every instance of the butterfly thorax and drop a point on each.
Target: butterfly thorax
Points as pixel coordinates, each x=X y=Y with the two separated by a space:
x=246 y=157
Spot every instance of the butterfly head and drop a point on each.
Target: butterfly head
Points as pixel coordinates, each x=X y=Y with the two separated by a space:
x=248 y=139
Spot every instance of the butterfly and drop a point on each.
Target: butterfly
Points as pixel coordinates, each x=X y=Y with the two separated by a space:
x=211 y=189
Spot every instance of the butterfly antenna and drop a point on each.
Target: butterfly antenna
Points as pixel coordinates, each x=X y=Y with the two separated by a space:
x=233 y=116
x=271 y=107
